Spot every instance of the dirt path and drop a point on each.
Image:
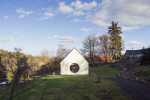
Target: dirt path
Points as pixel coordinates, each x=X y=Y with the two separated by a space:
x=140 y=91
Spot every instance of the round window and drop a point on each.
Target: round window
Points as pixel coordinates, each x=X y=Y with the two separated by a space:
x=74 y=67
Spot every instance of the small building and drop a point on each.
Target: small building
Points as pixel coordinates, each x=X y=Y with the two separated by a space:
x=74 y=64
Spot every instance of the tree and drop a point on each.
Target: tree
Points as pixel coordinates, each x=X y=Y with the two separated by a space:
x=89 y=45
x=61 y=51
x=114 y=33
x=104 y=44
x=67 y=51
x=45 y=56
x=83 y=53
x=3 y=70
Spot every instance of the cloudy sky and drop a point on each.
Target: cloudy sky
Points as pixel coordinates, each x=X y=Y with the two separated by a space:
x=34 y=25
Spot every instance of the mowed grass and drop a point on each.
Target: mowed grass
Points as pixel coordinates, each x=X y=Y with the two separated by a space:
x=105 y=72
x=143 y=74
x=69 y=87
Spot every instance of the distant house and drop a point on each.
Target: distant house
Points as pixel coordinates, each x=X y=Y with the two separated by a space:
x=74 y=64
x=129 y=54
x=100 y=58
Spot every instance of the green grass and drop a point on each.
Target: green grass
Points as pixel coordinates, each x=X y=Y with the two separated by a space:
x=105 y=72
x=69 y=87
x=143 y=74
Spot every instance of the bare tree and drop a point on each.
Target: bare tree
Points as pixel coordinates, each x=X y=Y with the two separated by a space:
x=61 y=51
x=67 y=51
x=18 y=50
x=89 y=45
x=83 y=52
x=104 y=44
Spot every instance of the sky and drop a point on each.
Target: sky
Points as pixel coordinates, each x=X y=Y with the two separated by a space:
x=36 y=25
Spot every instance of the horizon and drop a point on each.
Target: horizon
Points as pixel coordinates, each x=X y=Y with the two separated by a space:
x=36 y=25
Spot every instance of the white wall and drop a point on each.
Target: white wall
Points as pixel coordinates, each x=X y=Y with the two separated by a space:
x=74 y=57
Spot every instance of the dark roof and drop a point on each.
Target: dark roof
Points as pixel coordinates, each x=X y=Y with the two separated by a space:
x=70 y=52
x=129 y=52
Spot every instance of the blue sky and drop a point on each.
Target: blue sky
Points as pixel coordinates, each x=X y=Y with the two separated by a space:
x=35 y=25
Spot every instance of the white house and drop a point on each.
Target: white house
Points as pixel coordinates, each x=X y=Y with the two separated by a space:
x=74 y=64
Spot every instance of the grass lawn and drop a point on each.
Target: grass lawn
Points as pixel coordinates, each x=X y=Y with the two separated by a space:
x=141 y=67
x=105 y=72
x=69 y=87
x=143 y=74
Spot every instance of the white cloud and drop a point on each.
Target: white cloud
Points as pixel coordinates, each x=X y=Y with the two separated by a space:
x=49 y=14
x=8 y=39
x=64 y=8
x=122 y=35
x=129 y=28
x=6 y=17
x=76 y=20
x=137 y=13
x=78 y=13
x=20 y=10
x=85 y=6
x=49 y=8
x=55 y=36
x=42 y=18
x=85 y=29
x=68 y=40
x=21 y=16
x=135 y=44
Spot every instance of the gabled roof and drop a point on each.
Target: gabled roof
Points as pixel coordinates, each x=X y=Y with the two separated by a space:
x=71 y=51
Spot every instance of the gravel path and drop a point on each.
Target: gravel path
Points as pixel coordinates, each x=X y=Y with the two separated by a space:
x=140 y=91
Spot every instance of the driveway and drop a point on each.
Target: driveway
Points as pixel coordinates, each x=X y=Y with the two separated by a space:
x=140 y=91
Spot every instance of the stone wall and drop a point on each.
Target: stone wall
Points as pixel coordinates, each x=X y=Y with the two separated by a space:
x=123 y=65
x=132 y=75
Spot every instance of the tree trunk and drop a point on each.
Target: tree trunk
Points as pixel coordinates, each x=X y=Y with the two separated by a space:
x=28 y=77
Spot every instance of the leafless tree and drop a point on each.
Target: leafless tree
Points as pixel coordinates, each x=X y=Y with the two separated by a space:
x=67 y=51
x=83 y=53
x=104 y=44
x=61 y=51
x=89 y=45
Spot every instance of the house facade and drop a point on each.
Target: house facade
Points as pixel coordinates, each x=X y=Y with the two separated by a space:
x=74 y=64
x=129 y=54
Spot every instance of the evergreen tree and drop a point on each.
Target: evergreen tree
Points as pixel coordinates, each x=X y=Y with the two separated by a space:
x=114 y=33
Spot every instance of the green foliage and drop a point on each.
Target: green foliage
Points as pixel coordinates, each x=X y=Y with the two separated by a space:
x=115 y=37
x=143 y=74
x=146 y=57
x=10 y=75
